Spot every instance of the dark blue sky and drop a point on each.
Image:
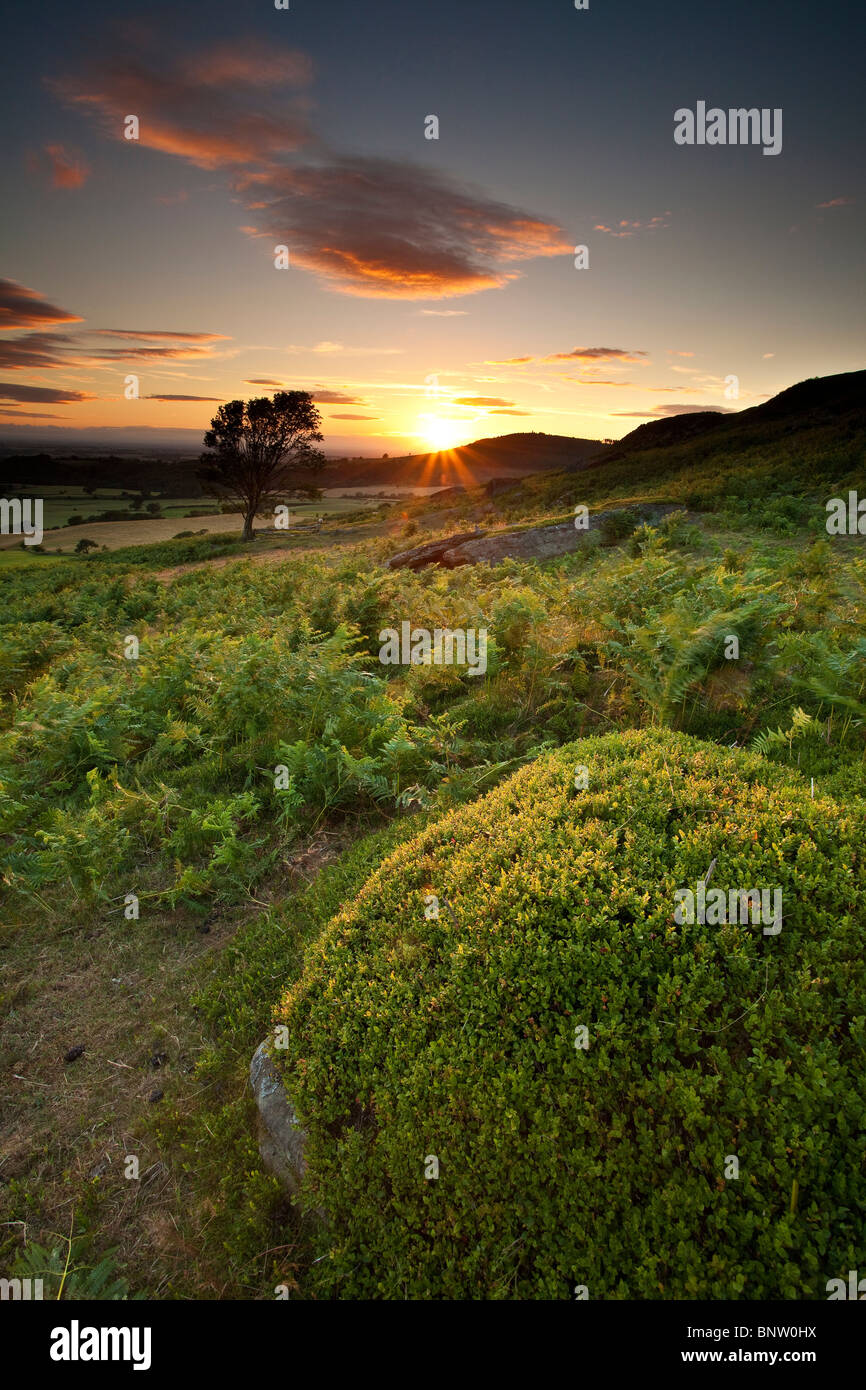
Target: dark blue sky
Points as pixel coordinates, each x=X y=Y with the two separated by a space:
x=414 y=259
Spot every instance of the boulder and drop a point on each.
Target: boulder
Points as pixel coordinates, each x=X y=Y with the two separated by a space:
x=430 y=552
x=543 y=542
x=281 y=1139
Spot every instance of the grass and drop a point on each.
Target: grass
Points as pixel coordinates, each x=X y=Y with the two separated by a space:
x=579 y=646
x=202 y=1220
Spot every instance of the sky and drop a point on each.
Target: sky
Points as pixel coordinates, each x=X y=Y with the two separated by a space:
x=432 y=295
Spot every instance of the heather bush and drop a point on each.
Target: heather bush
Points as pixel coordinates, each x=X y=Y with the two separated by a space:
x=453 y=1035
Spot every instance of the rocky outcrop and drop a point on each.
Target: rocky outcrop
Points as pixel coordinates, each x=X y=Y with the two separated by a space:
x=430 y=552
x=545 y=542
x=281 y=1139
x=535 y=543
x=538 y=544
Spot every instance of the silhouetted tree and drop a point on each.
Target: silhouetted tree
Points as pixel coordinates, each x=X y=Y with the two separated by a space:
x=258 y=447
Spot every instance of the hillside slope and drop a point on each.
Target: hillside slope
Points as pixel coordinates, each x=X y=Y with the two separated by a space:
x=817 y=401
x=508 y=456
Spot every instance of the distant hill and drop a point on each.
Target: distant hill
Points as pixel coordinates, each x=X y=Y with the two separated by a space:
x=817 y=401
x=783 y=457
x=507 y=456
x=838 y=401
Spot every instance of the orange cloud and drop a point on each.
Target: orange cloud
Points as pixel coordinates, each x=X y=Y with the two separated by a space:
x=146 y=354
x=335 y=398
x=153 y=333
x=11 y=412
x=44 y=394
x=35 y=352
x=372 y=228
x=666 y=411
x=64 y=168
x=252 y=62
x=508 y=361
x=23 y=308
x=626 y=228
x=201 y=110
x=481 y=400
x=598 y=354
x=584 y=355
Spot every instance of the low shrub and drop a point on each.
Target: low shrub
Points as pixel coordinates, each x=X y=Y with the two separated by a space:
x=415 y=1036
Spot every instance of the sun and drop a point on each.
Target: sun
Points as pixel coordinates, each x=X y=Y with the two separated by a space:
x=438 y=432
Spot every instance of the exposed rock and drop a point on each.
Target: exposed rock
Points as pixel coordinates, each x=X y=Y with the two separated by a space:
x=281 y=1139
x=543 y=542
x=430 y=552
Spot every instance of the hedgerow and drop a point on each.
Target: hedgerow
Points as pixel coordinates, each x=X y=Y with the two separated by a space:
x=413 y=1036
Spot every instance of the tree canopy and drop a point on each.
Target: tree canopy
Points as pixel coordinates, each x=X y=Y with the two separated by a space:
x=258 y=447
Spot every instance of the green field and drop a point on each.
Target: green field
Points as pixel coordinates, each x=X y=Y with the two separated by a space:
x=155 y=777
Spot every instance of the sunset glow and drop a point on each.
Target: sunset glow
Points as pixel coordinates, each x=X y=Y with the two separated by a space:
x=439 y=433
x=267 y=224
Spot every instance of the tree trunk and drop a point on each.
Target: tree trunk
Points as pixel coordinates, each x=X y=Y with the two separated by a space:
x=248 y=526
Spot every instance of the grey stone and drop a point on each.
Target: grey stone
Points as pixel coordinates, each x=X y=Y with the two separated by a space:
x=541 y=542
x=430 y=552
x=281 y=1138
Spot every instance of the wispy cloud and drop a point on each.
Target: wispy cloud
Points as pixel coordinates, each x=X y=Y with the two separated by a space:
x=508 y=361
x=215 y=109
x=11 y=412
x=666 y=411
x=586 y=356
x=836 y=203
x=335 y=398
x=36 y=352
x=24 y=308
x=378 y=228
x=599 y=354
x=158 y=334
x=339 y=350
x=62 y=167
x=373 y=228
x=44 y=394
x=626 y=228
x=151 y=354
